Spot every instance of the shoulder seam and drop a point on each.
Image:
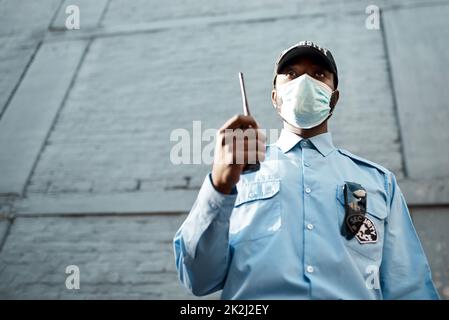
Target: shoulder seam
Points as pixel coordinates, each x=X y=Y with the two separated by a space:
x=386 y=174
x=365 y=161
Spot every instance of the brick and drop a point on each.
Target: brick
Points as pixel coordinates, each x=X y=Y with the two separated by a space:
x=430 y=224
x=27 y=120
x=421 y=97
x=26 y=17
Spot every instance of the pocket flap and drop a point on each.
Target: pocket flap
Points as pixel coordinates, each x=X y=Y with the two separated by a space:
x=256 y=190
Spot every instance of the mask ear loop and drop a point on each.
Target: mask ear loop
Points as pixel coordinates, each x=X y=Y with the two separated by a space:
x=275 y=106
x=332 y=102
x=278 y=108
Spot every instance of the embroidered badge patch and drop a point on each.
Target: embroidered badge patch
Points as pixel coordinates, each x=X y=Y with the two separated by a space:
x=367 y=232
x=354 y=222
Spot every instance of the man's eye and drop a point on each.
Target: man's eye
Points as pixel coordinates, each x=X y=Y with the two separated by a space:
x=291 y=74
x=319 y=74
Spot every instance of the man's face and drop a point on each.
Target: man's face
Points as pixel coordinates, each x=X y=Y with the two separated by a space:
x=300 y=66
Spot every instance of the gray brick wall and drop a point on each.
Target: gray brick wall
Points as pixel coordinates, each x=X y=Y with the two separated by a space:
x=118 y=258
x=150 y=68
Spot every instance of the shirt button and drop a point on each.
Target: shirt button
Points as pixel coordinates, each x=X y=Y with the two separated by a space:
x=308 y=190
x=252 y=195
x=310 y=269
x=213 y=205
x=307 y=164
x=310 y=226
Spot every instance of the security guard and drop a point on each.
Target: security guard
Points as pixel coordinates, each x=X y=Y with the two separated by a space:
x=314 y=222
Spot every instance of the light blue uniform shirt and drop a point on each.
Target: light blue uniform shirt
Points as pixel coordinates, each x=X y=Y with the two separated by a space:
x=279 y=236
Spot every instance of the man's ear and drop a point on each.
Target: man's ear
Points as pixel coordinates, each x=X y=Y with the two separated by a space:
x=274 y=98
x=334 y=99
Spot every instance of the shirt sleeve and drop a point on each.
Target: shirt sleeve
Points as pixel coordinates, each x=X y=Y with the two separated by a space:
x=201 y=244
x=405 y=271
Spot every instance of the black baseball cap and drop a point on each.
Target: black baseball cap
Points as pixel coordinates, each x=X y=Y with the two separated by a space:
x=304 y=49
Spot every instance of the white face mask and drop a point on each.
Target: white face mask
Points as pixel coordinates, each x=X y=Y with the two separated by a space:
x=305 y=101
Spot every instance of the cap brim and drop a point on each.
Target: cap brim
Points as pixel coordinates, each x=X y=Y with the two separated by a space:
x=305 y=51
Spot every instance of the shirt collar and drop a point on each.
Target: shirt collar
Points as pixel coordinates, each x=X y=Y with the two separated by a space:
x=322 y=142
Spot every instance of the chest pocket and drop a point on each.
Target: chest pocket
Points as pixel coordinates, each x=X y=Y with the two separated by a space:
x=368 y=243
x=257 y=211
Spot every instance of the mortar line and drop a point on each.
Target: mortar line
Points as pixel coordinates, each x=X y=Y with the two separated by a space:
x=55 y=14
x=103 y=13
x=100 y=215
x=22 y=76
x=9 y=221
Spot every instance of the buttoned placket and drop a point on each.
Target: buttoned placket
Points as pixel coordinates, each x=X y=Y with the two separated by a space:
x=309 y=226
